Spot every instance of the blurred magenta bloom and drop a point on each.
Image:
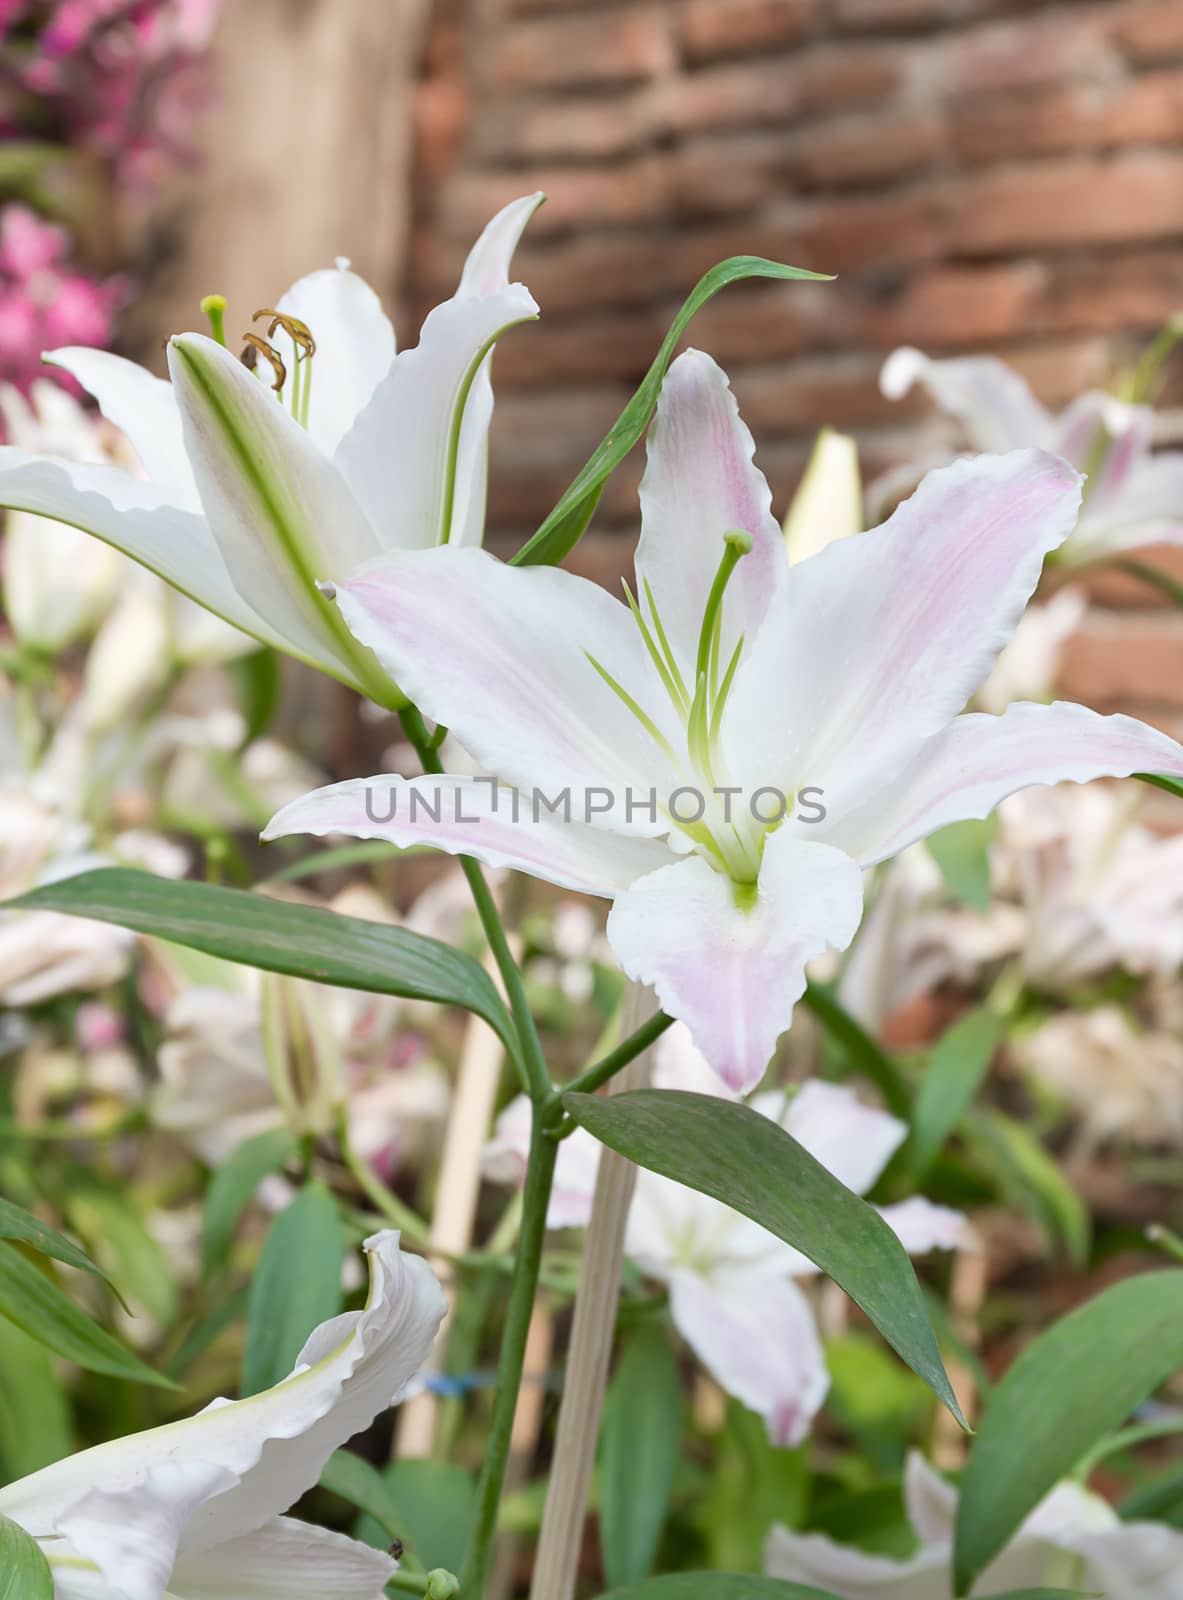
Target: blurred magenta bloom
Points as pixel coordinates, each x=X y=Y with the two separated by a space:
x=45 y=301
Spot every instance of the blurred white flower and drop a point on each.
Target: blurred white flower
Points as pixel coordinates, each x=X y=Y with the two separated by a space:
x=1027 y=667
x=828 y=504
x=1072 y=1538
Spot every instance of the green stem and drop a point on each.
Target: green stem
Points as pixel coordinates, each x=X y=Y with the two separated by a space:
x=608 y=1066
x=532 y=1060
x=540 y=1171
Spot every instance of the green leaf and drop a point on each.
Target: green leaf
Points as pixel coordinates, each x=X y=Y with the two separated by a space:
x=257 y=681
x=1074 y=1385
x=1032 y=1180
x=962 y=852
x=564 y=527
x=745 y=1160
x=36 y=1304
x=438 y=1500
x=21 y=1225
x=862 y=1052
x=361 y=1483
x=233 y=1185
x=280 y=937
x=1160 y=1500
x=717 y=1586
x=1160 y=781
x=956 y=1069
x=753 y=1485
x=1156 y=578
x=110 y=1223
x=34 y=1415
x=24 y=1571
x=639 y=1441
x=296 y=1286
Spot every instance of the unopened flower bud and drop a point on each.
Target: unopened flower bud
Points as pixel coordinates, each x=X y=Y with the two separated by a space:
x=303 y=1058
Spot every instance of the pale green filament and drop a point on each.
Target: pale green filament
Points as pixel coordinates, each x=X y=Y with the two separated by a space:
x=666 y=666
x=642 y=717
x=667 y=649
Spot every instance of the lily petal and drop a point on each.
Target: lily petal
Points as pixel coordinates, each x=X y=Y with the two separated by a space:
x=700 y=483
x=474 y=817
x=143 y=408
x=274 y=1444
x=883 y=637
x=733 y=974
x=991 y=399
x=812 y=1558
x=851 y=1140
x=922 y=1227
x=282 y=1559
x=355 y=348
x=931 y=1501
x=828 y=504
x=1148 y=510
x=283 y=517
x=500 y=656
x=486 y=271
x=401 y=456
x=757 y=1337
x=979 y=760
x=134 y=517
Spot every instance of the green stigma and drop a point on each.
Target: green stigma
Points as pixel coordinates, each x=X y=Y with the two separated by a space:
x=213 y=306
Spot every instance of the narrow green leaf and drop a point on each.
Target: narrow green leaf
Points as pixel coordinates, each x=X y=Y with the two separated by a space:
x=1032 y=1180
x=232 y=1187
x=564 y=527
x=361 y=1483
x=23 y=1226
x=1160 y=1500
x=1160 y=781
x=205 y=1331
x=114 y=1228
x=717 y=1586
x=258 y=681
x=956 y=1069
x=639 y=1442
x=962 y=852
x=862 y=1052
x=36 y=1304
x=24 y=1571
x=745 y=1160
x=1155 y=577
x=280 y=937
x=1074 y=1385
x=296 y=1286
x=753 y=1485
x=438 y=1501
x=34 y=1414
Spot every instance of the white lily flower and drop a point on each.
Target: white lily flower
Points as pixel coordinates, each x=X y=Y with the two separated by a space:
x=724 y=757
x=57 y=582
x=1073 y=1539
x=1026 y=669
x=193 y=1510
x=252 y=498
x=734 y=1295
x=1132 y=497
x=828 y=504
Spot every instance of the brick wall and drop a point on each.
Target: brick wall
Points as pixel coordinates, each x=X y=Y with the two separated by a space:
x=981 y=174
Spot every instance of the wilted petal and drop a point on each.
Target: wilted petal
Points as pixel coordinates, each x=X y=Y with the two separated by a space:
x=700 y=483
x=884 y=637
x=828 y=504
x=355 y=347
x=733 y=974
x=281 y=1560
x=499 y=655
x=979 y=760
x=473 y=817
x=991 y=399
x=756 y=1336
x=282 y=515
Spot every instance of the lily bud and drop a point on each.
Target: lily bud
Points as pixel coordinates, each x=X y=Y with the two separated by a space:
x=828 y=504
x=303 y=1058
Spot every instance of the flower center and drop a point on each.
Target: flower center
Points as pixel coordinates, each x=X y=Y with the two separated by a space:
x=303 y=349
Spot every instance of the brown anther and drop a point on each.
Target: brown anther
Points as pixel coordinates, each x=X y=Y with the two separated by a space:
x=299 y=332
x=255 y=342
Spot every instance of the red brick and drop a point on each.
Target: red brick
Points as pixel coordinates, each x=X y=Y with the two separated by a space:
x=1065 y=47
x=590 y=271
x=869 y=151
x=719 y=178
x=760 y=322
x=1059 y=371
x=777 y=91
x=577 y=197
x=567 y=129
x=841 y=392
x=1081 y=117
x=1072 y=203
x=710 y=29
x=1120 y=592
x=1136 y=292
x=1109 y=661
x=693 y=252
x=591 y=350
x=613 y=46
x=884 y=15
x=898 y=231
x=951 y=306
x=1151 y=32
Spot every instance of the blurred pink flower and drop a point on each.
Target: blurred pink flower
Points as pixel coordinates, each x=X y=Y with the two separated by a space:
x=45 y=302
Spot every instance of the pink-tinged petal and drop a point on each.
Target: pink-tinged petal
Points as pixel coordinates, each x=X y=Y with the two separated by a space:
x=921 y=1226
x=499 y=655
x=354 y=348
x=733 y=974
x=282 y=1559
x=1103 y=437
x=1148 y=509
x=851 y=1140
x=474 y=817
x=884 y=636
x=990 y=399
x=403 y=455
x=504 y=1161
x=135 y=517
x=679 y=1064
x=757 y=1338
x=143 y=408
x=700 y=483
x=965 y=771
x=841 y=1569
